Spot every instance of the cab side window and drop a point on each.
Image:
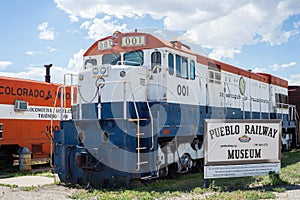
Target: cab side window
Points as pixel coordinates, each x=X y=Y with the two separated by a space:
x=192 y=70
x=156 y=61
x=178 y=65
x=171 y=63
x=184 y=68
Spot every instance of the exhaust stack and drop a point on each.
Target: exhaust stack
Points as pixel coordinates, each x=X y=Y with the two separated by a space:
x=47 y=77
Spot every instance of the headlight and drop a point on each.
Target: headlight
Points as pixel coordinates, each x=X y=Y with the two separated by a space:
x=95 y=71
x=81 y=77
x=122 y=73
x=103 y=70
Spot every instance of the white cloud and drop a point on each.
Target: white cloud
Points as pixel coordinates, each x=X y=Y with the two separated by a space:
x=224 y=27
x=30 y=73
x=102 y=27
x=4 y=64
x=85 y=25
x=46 y=33
x=35 y=72
x=258 y=69
x=220 y=52
x=294 y=79
x=33 y=53
x=76 y=62
x=276 y=67
x=73 y=18
x=58 y=72
x=91 y=8
x=51 y=49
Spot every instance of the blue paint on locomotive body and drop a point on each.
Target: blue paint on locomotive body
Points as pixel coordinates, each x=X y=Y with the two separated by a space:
x=176 y=116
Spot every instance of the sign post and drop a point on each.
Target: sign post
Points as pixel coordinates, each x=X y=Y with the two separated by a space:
x=238 y=148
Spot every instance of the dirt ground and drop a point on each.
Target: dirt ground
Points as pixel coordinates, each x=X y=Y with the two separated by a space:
x=60 y=192
x=47 y=192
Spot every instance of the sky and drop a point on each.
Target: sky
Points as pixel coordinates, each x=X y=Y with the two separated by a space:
x=262 y=36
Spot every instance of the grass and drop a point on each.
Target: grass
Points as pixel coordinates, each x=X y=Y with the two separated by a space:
x=8 y=185
x=250 y=195
x=290 y=171
x=14 y=172
x=191 y=186
x=29 y=188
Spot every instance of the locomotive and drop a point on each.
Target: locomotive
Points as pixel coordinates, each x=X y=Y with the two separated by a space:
x=142 y=102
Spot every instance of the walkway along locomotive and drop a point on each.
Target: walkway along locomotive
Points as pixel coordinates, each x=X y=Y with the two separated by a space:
x=29 y=112
x=141 y=107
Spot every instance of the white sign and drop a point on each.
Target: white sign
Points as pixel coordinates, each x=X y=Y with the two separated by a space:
x=133 y=41
x=237 y=142
x=35 y=112
x=227 y=171
x=105 y=44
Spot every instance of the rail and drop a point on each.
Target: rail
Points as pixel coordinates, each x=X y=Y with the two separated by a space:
x=124 y=98
x=292 y=112
x=146 y=94
x=63 y=104
x=129 y=63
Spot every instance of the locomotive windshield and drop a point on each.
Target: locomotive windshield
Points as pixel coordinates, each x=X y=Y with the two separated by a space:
x=112 y=59
x=133 y=58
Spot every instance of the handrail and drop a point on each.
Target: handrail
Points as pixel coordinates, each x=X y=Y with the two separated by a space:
x=134 y=102
x=62 y=105
x=65 y=78
x=138 y=134
x=152 y=126
x=146 y=94
x=51 y=123
x=129 y=62
x=72 y=85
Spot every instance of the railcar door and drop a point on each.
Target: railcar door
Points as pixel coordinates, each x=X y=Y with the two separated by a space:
x=157 y=83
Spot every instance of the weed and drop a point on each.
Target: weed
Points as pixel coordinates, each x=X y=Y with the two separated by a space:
x=279 y=190
x=9 y=185
x=249 y=195
x=28 y=188
x=275 y=179
x=198 y=190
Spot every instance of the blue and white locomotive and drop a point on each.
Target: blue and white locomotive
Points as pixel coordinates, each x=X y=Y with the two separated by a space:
x=141 y=105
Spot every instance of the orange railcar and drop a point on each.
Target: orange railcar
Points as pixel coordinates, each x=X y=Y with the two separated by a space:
x=29 y=112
